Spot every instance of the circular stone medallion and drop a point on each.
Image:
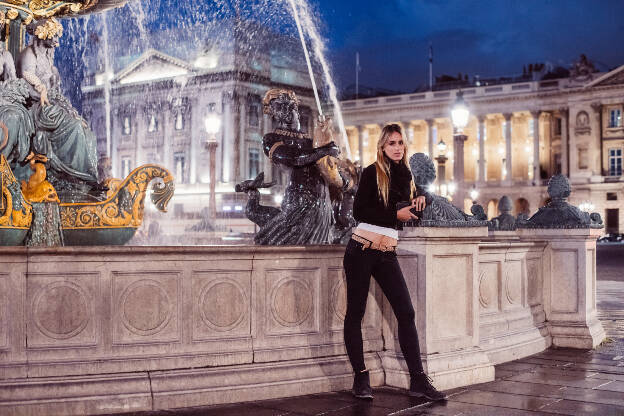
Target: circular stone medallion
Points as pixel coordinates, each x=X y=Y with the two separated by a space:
x=60 y=310
x=291 y=302
x=222 y=305
x=146 y=307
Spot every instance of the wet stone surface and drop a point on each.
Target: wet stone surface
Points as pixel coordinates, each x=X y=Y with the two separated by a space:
x=557 y=381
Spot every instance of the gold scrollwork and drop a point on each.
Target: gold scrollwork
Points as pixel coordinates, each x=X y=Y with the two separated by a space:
x=11 y=217
x=124 y=206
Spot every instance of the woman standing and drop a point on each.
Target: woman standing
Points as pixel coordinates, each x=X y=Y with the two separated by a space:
x=371 y=251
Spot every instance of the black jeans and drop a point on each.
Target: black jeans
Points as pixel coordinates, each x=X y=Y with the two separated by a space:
x=359 y=265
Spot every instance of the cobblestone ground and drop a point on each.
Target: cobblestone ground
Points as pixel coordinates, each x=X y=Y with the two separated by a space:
x=556 y=381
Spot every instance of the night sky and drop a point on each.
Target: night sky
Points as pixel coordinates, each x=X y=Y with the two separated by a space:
x=486 y=38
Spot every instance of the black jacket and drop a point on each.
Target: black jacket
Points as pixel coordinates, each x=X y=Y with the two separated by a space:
x=369 y=207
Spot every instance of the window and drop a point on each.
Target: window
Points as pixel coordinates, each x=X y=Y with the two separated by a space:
x=558 y=126
x=126 y=167
x=254 y=162
x=303 y=122
x=611 y=196
x=615 y=162
x=179 y=121
x=615 y=118
x=254 y=115
x=127 y=126
x=179 y=160
x=153 y=124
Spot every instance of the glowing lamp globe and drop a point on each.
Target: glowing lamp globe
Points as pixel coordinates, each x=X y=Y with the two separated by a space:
x=460 y=113
x=213 y=124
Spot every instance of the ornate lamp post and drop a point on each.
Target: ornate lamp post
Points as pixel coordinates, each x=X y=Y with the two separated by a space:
x=459 y=116
x=213 y=125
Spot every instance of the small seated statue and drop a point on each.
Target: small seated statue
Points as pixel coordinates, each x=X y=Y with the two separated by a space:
x=62 y=136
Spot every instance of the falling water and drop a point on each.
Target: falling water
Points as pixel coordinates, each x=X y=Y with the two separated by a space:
x=108 y=75
x=319 y=50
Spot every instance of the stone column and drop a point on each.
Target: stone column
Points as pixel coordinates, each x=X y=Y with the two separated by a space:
x=435 y=260
x=507 y=135
x=458 y=169
x=228 y=138
x=536 y=161
x=430 y=127
x=565 y=146
x=196 y=132
x=212 y=151
x=360 y=142
x=168 y=139
x=409 y=135
x=595 y=149
x=242 y=141
x=266 y=128
x=482 y=171
x=569 y=288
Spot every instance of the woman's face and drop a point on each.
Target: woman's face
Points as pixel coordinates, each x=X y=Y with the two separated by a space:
x=394 y=147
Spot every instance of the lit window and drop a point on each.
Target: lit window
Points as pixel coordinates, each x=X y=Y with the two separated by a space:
x=179 y=121
x=254 y=115
x=254 y=162
x=127 y=126
x=126 y=167
x=615 y=118
x=615 y=162
x=153 y=124
x=179 y=160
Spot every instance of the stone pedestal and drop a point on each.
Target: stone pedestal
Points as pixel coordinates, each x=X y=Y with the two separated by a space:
x=570 y=285
x=441 y=268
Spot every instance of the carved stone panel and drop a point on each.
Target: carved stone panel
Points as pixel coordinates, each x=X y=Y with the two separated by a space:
x=292 y=301
x=564 y=281
x=535 y=282
x=62 y=309
x=451 y=318
x=4 y=311
x=489 y=286
x=145 y=307
x=512 y=285
x=221 y=304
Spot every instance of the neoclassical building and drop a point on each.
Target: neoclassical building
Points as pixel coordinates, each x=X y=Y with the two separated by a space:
x=519 y=134
x=157 y=106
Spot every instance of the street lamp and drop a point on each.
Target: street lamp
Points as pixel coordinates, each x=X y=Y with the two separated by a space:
x=213 y=124
x=460 y=114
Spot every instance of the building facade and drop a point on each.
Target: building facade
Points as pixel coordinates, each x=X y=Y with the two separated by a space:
x=518 y=136
x=156 y=110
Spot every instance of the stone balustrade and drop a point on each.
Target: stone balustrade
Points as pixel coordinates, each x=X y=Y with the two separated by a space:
x=106 y=330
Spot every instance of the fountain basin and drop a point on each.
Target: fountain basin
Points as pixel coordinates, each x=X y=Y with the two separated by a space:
x=87 y=330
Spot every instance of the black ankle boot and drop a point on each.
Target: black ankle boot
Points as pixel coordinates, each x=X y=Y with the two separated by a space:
x=420 y=386
x=361 y=386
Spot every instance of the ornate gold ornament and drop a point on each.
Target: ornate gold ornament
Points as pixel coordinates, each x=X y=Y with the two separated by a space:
x=15 y=211
x=49 y=30
x=11 y=14
x=124 y=206
x=38 y=189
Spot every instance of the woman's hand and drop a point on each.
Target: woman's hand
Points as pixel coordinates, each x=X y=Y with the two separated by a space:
x=421 y=202
x=404 y=214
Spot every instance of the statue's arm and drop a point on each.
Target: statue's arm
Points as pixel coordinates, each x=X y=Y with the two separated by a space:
x=28 y=72
x=293 y=157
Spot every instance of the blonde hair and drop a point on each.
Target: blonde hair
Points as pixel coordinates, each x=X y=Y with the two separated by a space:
x=383 y=167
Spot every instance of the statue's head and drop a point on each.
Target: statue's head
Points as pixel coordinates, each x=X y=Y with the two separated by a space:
x=46 y=32
x=283 y=106
x=422 y=169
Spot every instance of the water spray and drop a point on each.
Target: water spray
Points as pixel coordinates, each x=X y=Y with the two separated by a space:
x=316 y=96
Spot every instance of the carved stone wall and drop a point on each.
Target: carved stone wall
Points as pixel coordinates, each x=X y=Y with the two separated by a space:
x=118 y=329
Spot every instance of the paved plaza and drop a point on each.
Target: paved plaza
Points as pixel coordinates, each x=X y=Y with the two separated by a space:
x=556 y=381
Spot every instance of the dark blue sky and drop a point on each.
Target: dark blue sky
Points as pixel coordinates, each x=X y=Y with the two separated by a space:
x=488 y=38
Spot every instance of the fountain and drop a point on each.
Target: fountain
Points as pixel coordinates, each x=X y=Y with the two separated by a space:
x=45 y=134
